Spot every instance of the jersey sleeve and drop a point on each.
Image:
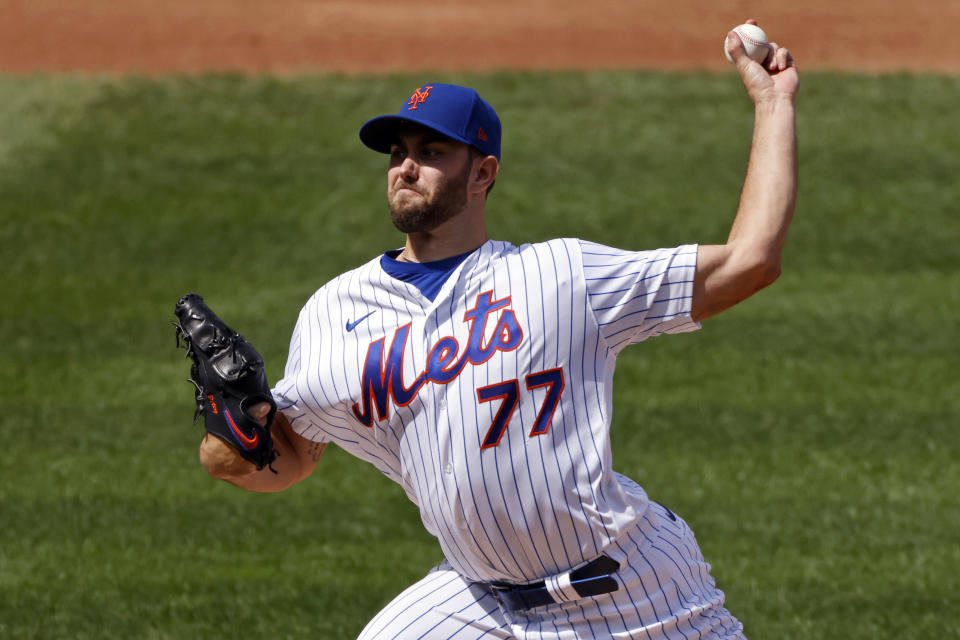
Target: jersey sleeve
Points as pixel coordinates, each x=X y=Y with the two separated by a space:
x=292 y=393
x=635 y=295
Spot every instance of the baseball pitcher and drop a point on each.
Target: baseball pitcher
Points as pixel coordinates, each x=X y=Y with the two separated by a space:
x=478 y=375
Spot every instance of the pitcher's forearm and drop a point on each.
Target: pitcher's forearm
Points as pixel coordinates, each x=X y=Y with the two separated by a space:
x=769 y=192
x=751 y=257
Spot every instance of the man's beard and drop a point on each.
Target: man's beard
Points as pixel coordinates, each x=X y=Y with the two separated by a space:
x=448 y=200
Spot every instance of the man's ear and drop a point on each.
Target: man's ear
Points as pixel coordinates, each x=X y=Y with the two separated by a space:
x=487 y=170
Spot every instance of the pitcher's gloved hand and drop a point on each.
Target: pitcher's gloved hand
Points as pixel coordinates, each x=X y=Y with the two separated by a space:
x=230 y=380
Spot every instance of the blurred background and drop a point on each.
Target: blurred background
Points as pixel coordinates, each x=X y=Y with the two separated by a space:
x=374 y=36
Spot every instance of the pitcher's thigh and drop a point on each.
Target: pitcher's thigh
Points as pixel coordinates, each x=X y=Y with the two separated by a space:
x=665 y=592
x=441 y=605
x=669 y=590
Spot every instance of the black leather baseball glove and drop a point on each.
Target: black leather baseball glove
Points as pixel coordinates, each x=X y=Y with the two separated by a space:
x=228 y=374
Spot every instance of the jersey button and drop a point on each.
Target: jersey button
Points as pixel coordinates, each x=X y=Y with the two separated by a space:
x=448 y=468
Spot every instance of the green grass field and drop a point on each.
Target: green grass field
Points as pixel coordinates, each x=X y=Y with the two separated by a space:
x=809 y=436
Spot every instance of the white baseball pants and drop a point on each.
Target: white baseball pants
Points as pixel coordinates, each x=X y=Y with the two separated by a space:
x=666 y=593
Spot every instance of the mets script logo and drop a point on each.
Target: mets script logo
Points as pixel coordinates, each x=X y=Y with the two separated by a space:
x=419 y=96
x=383 y=381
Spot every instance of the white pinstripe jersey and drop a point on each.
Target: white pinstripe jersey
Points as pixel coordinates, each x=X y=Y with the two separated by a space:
x=491 y=405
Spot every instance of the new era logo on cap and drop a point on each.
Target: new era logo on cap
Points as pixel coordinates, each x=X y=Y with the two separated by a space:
x=454 y=111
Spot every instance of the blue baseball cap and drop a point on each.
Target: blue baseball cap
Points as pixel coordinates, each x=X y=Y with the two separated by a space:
x=454 y=111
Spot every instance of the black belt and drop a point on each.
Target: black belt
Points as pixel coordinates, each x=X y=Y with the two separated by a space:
x=592 y=579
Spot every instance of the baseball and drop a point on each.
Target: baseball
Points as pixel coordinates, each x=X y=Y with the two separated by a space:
x=755 y=42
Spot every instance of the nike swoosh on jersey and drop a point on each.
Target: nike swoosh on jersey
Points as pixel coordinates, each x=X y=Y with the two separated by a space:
x=245 y=441
x=353 y=325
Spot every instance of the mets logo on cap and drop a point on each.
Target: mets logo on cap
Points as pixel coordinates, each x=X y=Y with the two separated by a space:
x=419 y=96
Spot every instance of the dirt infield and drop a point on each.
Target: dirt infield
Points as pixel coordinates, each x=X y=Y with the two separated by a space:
x=358 y=36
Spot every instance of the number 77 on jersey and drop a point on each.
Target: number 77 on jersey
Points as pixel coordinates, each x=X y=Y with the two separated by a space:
x=382 y=383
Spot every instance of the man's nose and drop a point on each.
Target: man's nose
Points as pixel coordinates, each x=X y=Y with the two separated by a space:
x=409 y=169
